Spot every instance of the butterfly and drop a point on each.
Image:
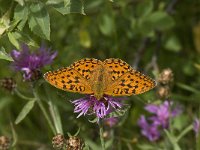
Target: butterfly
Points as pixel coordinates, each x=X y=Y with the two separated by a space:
x=112 y=77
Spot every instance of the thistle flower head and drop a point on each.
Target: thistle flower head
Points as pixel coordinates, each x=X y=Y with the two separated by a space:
x=149 y=130
x=100 y=108
x=31 y=63
x=152 y=126
x=162 y=113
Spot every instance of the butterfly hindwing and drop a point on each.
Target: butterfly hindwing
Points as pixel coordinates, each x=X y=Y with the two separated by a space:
x=131 y=83
x=68 y=79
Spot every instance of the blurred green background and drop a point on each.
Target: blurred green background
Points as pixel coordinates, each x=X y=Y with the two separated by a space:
x=150 y=35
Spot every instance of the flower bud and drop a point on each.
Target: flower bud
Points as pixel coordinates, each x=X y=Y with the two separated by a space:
x=58 y=141
x=4 y=143
x=163 y=92
x=74 y=143
x=166 y=76
x=8 y=84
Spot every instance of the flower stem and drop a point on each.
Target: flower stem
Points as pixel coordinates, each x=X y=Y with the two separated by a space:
x=44 y=111
x=101 y=135
x=185 y=131
x=23 y=96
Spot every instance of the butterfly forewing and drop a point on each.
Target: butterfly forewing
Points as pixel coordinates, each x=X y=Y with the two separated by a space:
x=116 y=67
x=86 y=67
x=68 y=79
x=132 y=82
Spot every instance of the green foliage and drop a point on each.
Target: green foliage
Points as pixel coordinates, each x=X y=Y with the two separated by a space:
x=4 y=55
x=25 y=110
x=39 y=21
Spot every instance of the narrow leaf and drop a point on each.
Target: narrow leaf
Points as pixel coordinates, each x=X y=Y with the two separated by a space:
x=25 y=110
x=4 y=22
x=13 y=39
x=56 y=117
x=188 y=88
x=184 y=132
x=4 y=55
x=92 y=144
x=21 y=14
x=70 y=6
x=146 y=147
x=39 y=21
x=172 y=140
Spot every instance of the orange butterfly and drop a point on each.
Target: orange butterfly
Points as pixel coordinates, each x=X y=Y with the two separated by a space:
x=112 y=77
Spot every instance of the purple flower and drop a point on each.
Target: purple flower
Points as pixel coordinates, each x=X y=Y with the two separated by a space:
x=111 y=121
x=149 y=130
x=31 y=63
x=160 y=120
x=162 y=113
x=102 y=107
x=196 y=126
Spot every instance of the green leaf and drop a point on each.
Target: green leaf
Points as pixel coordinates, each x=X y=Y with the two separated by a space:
x=85 y=39
x=180 y=121
x=4 y=22
x=18 y=37
x=56 y=117
x=67 y=2
x=106 y=25
x=144 y=8
x=184 y=132
x=160 y=20
x=77 y=132
x=92 y=144
x=21 y=2
x=172 y=140
x=146 y=147
x=39 y=21
x=21 y=14
x=188 y=88
x=109 y=143
x=173 y=44
x=13 y=39
x=25 y=110
x=69 y=6
x=4 y=55
x=118 y=112
x=86 y=147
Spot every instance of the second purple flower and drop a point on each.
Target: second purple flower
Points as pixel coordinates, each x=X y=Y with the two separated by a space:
x=31 y=63
x=162 y=113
